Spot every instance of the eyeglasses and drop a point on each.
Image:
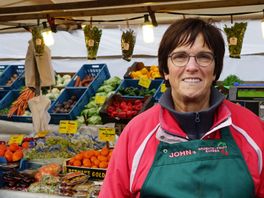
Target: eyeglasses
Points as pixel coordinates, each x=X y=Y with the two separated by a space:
x=181 y=59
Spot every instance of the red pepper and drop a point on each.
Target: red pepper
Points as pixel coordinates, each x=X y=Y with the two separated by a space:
x=122 y=114
x=138 y=107
x=136 y=102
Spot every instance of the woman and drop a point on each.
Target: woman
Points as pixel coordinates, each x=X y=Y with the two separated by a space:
x=194 y=143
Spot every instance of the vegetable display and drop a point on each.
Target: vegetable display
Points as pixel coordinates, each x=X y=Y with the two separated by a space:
x=21 y=104
x=235 y=36
x=128 y=40
x=133 y=91
x=92 y=40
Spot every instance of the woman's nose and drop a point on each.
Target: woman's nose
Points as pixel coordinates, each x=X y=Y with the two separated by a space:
x=192 y=64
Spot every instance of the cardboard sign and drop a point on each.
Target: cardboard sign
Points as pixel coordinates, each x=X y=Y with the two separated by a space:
x=68 y=126
x=106 y=134
x=16 y=139
x=163 y=88
x=144 y=82
x=100 y=99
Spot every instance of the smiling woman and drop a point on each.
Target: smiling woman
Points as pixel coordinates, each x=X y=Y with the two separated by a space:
x=173 y=149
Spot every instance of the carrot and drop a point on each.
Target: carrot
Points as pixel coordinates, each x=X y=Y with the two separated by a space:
x=77 y=81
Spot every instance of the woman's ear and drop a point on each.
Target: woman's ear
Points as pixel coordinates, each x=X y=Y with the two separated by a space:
x=166 y=76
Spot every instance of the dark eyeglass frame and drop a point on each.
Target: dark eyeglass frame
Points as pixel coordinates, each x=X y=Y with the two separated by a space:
x=195 y=57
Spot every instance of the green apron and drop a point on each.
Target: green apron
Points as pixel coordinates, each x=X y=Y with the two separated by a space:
x=199 y=169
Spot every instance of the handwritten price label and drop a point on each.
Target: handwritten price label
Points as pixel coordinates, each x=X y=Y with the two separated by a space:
x=106 y=134
x=144 y=82
x=16 y=139
x=72 y=127
x=163 y=88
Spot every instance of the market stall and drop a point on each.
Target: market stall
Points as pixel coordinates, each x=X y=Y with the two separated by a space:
x=57 y=137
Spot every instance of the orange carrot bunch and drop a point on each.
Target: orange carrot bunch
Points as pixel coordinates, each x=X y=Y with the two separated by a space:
x=19 y=106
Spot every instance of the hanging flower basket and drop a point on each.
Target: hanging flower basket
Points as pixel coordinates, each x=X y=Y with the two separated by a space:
x=128 y=40
x=38 y=40
x=235 y=36
x=92 y=40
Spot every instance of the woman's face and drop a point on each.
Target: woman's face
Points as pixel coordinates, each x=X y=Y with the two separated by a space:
x=191 y=83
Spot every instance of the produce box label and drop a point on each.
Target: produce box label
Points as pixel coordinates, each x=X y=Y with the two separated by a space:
x=16 y=139
x=68 y=126
x=100 y=99
x=106 y=134
x=233 y=41
x=93 y=173
x=144 y=82
x=72 y=126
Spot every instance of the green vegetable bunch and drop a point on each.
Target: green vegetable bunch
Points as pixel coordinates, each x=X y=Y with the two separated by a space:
x=92 y=40
x=128 y=40
x=38 y=40
x=231 y=79
x=235 y=36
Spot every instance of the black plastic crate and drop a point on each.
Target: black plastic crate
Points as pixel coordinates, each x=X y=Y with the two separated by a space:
x=147 y=103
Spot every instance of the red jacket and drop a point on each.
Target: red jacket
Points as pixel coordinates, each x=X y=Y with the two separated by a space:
x=131 y=162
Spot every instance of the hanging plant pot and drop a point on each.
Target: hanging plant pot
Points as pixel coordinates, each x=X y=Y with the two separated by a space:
x=38 y=40
x=92 y=40
x=128 y=40
x=235 y=36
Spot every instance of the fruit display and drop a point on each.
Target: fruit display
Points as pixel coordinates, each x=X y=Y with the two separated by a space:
x=12 y=152
x=92 y=158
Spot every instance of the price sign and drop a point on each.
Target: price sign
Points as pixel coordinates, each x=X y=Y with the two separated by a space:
x=72 y=127
x=100 y=99
x=68 y=126
x=144 y=82
x=16 y=139
x=163 y=88
x=42 y=133
x=106 y=134
x=63 y=127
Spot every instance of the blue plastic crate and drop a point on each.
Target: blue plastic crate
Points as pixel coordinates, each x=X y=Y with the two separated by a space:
x=3 y=94
x=7 y=101
x=8 y=73
x=99 y=72
x=2 y=68
x=83 y=96
x=155 y=84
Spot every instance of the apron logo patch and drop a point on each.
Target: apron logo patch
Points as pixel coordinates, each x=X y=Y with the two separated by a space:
x=221 y=147
x=181 y=153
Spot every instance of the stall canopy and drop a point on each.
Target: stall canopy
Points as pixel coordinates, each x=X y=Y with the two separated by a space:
x=69 y=51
